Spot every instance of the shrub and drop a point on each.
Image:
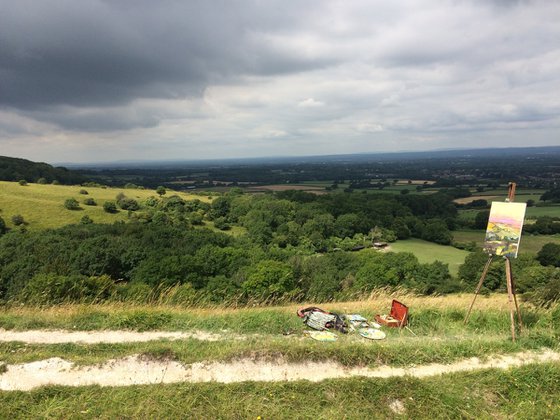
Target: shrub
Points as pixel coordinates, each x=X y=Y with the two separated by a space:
x=42 y=181
x=221 y=223
x=90 y=202
x=17 y=219
x=72 y=204
x=128 y=204
x=2 y=226
x=110 y=207
x=161 y=190
x=84 y=192
x=549 y=254
x=86 y=220
x=22 y=182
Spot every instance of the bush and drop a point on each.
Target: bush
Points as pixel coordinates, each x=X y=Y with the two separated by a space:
x=90 y=202
x=549 y=254
x=2 y=226
x=18 y=220
x=161 y=190
x=84 y=192
x=42 y=181
x=22 y=182
x=72 y=204
x=110 y=207
x=86 y=220
x=128 y=204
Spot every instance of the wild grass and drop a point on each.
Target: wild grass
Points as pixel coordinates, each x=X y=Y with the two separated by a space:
x=529 y=392
x=42 y=206
x=270 y=332
x=428 y=252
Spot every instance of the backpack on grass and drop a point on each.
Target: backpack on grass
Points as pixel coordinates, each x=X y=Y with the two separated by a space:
x=320 y=320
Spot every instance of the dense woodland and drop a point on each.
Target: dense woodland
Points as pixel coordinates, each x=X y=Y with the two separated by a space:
x=288 y=245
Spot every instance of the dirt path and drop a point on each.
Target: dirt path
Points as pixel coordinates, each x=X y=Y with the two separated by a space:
x=136 y=370
x=93 y=337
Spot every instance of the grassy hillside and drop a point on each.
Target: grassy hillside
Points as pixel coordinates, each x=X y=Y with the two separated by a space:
x=428 y=252
x=42 y=206
x=259 y=334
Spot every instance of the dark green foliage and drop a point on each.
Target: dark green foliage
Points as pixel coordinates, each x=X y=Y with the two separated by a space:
x=544 y=225
x=128 y=204
x=71 y=204
x=110 y=207
x=161 y=190
x=84 y=192
x=18 y=220
x=549 y=255
x=551 y=195
x=86 y=220
x=3 y=227
x=90 y=202
x=22 y=182
x=481 y=219
x=13 y=169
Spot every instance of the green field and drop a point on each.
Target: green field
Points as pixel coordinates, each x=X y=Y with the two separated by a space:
x=428 y=252
x=530 y=244
x=42 y=206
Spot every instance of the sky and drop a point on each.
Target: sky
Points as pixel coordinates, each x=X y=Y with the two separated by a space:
x=101 y=81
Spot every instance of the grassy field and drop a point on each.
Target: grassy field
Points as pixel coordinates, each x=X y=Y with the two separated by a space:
x=42 y=206
x=530 y=244
x=523 y=392
x=428 y=252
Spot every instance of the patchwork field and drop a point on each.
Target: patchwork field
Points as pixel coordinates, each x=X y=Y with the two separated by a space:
x=115 y=361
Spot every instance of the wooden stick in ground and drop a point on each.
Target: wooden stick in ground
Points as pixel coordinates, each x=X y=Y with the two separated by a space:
x=478 y=287
x=510 y=299
x=508 y=269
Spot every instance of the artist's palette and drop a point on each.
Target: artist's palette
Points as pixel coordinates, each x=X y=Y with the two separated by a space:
x=372 y=333
x=322 y=335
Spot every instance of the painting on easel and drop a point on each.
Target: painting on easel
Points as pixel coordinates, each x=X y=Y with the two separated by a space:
x=504 y=229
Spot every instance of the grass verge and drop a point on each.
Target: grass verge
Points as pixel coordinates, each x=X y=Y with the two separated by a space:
x=529 y=392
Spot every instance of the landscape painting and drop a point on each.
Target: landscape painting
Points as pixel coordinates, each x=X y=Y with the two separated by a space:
x=504 y=229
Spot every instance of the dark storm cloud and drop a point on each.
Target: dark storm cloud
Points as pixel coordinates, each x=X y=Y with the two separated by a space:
x=93 y=52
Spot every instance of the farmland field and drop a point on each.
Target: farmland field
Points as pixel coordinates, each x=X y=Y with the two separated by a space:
x=428 y=252
x=529 y=243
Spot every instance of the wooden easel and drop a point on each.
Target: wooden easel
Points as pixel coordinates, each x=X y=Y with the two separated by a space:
x=512 y=299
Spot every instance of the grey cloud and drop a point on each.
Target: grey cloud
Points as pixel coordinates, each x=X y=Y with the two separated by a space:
x=102 y=53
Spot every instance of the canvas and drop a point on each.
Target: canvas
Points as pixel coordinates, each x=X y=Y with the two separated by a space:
x=504 y=229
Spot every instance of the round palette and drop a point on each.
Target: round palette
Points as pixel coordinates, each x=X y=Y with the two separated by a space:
x=372 y=333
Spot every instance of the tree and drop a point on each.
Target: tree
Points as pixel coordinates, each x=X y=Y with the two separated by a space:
x=481 y=219
x=110 y=207
x=72 y=204
x=549 y=254
x=161 y=191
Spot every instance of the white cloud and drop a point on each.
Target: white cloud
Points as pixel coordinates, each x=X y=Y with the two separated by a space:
x=277 y=78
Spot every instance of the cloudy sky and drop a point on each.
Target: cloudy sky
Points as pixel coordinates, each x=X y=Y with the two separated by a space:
x=95 y=80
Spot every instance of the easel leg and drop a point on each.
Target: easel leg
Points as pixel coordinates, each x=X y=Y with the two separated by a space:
x=520 y=323
x=511 y=298
x=482 y=277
